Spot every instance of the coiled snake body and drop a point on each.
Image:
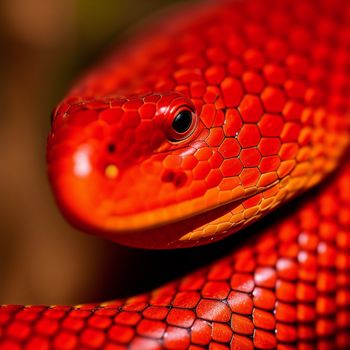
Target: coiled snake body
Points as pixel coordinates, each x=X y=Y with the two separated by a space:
x=205 y=121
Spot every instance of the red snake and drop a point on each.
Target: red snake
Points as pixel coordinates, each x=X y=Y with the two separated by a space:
x=203 y=121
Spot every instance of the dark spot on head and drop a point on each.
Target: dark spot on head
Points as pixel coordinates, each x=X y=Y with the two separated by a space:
x=111 y=148
x=177 y=178
x=168 y=176
x=180 y=179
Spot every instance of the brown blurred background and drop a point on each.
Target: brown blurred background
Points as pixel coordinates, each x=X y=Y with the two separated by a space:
x=44 y=45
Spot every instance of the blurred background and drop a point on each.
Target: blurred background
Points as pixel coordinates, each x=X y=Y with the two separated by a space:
x=44 y=46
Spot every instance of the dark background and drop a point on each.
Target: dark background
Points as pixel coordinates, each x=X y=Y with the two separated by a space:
x=44 y=46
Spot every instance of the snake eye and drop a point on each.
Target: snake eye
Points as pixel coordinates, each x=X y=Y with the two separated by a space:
x=182 y=121
x=181 y=124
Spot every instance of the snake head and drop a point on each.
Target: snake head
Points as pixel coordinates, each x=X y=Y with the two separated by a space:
x=163 y=170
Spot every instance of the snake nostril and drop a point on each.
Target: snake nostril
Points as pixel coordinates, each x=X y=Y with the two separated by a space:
x=111 y=148
x=177 y=178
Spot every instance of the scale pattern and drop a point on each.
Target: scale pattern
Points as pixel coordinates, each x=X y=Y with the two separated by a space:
x=285 y=288
x=269 y=84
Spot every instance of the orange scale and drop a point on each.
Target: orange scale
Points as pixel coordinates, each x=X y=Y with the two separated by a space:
x=264 y=340
x=306 y=292
x=130 y=119
x=242 y=324
x=197 y=89
x=221 y=332
x=147 y=110
x=192 y=283
x=252 y=202
x=293 y=111
x=188 y=75
x=307 y=333
x=198 y=188
x=273 y=99
x=297 y=65
x=251 y=109
x=212 y=94
x=133 y=104
x=253 y=83
x=181 y=318
x=190 y=60
x=65 y=341
x=215 y=74
x=127 y=318
x=214 y=178
x=286 y=291
x=227 y=184
x=242 y=282
x=207 y=115
x=285 y=168
x=269 y=164
x=269 y=146
x=216 y=55
x=286 y=333
x=111 y=115
x=186 y=299
x=286 y=312
x=250 y=157
x=235 y=67
x=271 y=125
x=183 y=89
x=26 y=315
x=328 y=230
x=73 y=324
x=287 y=269
x=189 y=162
x=216 y=160
x=213 y=310
x=306 y=313
x=326 y=282
x=249 y=135
x=151 y=328
x=215 y=290
x=19 y=330
x=220 y=271
x=265 y=180
x=295 y=88
x=253 y=58
x=233 y=123
x=232 y=91
x=250 y=176
x=265 y=277
x=201 y=332
x=203 y=153
x=240 y=302
x=274 y=74
x=201 y=171
x=240 y=342
x=219 y=118
x=144 y=343
x=92 y=338
x=231 y=167
x=121 y=334
x=229 y=148
x=46 y=326
x=325 y=327
x=326 y=306
x=156 y=312
x=215 y=137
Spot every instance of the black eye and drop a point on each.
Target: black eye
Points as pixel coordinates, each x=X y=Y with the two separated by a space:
x=182 y=122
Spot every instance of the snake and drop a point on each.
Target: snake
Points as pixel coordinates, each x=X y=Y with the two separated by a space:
x=203 y=121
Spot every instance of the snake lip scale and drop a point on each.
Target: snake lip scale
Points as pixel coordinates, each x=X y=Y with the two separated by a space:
x=204 y=120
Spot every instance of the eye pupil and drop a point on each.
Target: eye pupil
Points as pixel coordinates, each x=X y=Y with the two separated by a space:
x=182 y=121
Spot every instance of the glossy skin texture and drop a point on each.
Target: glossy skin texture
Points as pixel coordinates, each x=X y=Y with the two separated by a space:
x=267 y=85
